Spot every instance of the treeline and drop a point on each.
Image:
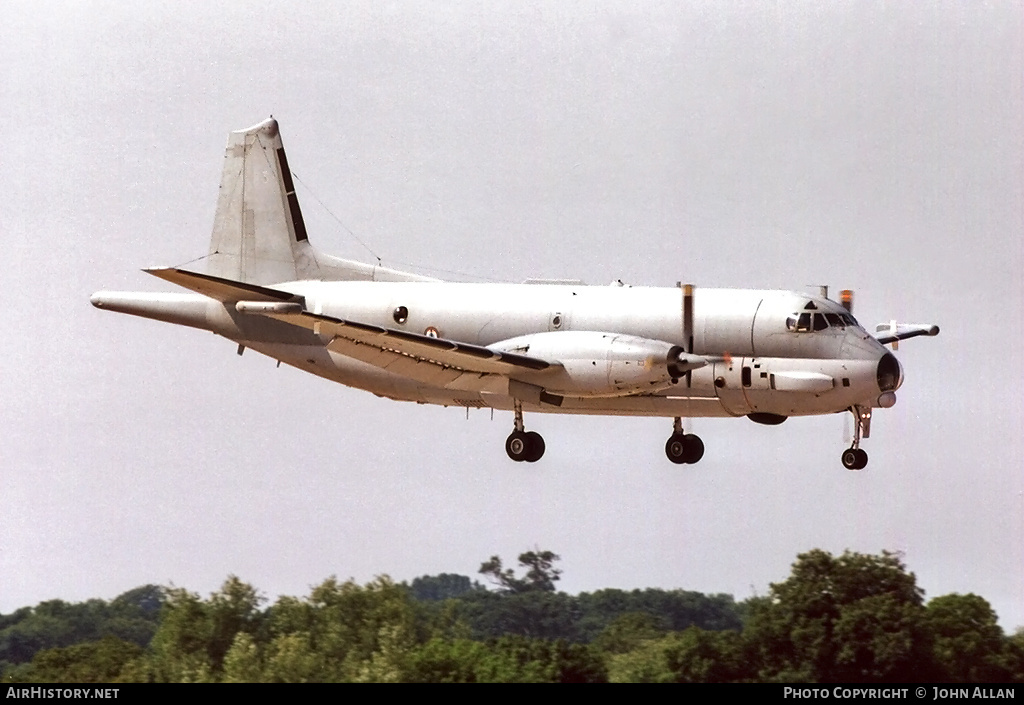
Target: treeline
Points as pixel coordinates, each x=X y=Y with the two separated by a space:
x=849 y=618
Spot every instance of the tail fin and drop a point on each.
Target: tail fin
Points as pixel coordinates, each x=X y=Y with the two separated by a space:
x=259 y=236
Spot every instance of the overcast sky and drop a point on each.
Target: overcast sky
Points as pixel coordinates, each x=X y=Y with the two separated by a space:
x=867 y=145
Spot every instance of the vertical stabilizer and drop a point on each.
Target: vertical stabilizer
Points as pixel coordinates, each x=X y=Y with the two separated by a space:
x=258 y=233
x=259 y=236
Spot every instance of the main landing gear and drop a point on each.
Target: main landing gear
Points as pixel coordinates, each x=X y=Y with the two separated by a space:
x=523 y=445
x=854 y=458
x=683 y=448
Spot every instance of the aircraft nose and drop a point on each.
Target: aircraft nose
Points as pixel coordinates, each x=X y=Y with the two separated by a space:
x=890 y=373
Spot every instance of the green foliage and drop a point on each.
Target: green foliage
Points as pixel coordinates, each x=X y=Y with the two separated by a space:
x=645 y=663
x=94 y=662
x=699 y=656
x=627 y=632
x=242 y=663
x=540 y=574
x=511 y=659
x=131 y=617
x=850 y=618
x=448 y=661
x=1014 y=656
x=342 y=632
x=534 y=614
x=446 y=586
x=969 y=645
x=691 y=656
x=195 y=635
x=673 y=610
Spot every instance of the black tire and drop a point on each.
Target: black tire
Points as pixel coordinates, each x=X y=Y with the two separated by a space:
x=517 y=446
x=534 y=446
x=851 y=458
x=675 y=448
x=862 y=459
x=694 y=448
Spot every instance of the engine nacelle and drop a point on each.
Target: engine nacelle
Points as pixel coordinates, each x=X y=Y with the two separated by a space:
x=597 y=364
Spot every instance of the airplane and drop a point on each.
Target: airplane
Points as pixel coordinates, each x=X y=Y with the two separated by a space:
x=542 y=346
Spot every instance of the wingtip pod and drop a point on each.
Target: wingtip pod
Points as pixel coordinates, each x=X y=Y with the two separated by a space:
x=894 y=332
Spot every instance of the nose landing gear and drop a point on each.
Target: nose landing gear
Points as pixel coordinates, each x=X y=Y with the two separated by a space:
x=523 y=445
x=854 y=458
x=683 y=448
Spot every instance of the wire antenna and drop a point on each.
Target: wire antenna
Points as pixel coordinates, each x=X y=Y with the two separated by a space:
x=337 y=219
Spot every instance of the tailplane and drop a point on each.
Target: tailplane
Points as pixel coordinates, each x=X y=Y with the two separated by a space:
x=259 y=236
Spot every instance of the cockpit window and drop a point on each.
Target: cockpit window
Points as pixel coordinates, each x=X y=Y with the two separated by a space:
x=804 y=322
x=799 y=322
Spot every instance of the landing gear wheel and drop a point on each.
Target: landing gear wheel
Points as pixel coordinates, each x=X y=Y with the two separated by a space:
x=855 y=459
x=517 y=446
x=524 y=445
x=684 y=449
x=675 y=448
x=534 y=446
x=694 y=448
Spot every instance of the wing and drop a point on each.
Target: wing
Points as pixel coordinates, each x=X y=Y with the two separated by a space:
x=407 y=353
x=434 y=361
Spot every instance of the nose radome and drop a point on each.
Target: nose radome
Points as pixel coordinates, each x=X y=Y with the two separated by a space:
x=890 y=373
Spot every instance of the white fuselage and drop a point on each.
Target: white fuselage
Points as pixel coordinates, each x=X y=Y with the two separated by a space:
x=766 y=366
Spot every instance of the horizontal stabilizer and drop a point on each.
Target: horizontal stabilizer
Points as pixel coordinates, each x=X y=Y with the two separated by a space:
x=224 y=290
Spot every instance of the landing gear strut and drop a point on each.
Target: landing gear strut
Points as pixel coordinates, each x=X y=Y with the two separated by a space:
x=683 y=448
x=523 y=445
x=853 y=457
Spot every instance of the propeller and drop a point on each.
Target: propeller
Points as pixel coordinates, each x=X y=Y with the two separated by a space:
x=688 y=325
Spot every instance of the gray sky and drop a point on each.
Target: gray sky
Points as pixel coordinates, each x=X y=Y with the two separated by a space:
x=875 y=146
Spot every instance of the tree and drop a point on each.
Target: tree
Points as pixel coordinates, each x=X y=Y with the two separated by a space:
x=131 y=617
x=627 y=632
x=850 y=618
x=94 y=662
x=341 y=632
x=446 y=586
x=195 y=635
x=232 y=610
x=969 y=644
x=698 y=656
x=540 y=574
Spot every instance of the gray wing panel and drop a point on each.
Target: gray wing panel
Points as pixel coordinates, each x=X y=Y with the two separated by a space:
x=432 y=360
